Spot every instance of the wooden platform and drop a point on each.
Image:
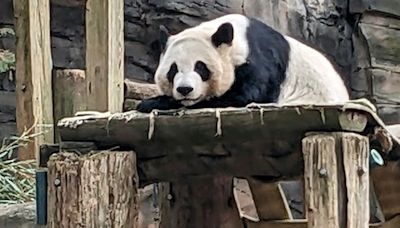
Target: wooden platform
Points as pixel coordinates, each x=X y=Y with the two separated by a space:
x=257 y=140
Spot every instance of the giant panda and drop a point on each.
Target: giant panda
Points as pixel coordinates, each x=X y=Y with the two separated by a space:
x=235 y=60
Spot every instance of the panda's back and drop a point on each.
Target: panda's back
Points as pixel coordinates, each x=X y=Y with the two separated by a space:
x=310 y=77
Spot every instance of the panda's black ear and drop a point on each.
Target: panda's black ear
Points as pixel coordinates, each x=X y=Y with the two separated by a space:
x=164 y=35
x=224 y=35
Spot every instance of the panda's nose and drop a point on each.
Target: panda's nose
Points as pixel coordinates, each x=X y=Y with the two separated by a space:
x=184 y=90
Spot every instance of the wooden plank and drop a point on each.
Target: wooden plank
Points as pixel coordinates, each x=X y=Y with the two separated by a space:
x=69 y=95
x=387 y=187
x=355 y=149
x=98 y=190
x=321 y=182
x=200 y=202
x=248 y=137
x=33 y=73
x=336 y=180
x=392 y=223
x=302 y=223
x=270 y=200
x=105 y=55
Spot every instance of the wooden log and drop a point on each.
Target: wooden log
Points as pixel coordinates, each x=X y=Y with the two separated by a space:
x=33 y=74
x=248 y=136
x=201 y=202
x=336 y=180
x=139 y=91
x=69 y=94
x=98 y=190
x=105 y=55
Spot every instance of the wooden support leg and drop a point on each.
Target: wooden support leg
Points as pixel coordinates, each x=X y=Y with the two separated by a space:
x=98 y=190
x=336 y=176
x=200 y=202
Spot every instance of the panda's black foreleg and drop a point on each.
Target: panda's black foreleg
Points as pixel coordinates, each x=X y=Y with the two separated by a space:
x=222 y=102
x=160 y=103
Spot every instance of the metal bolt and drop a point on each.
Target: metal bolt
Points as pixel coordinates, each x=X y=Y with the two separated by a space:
x=323 y=172
x=169 y=197
x=57 y=182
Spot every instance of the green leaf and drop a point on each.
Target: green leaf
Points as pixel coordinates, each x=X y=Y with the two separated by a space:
x=6 y=31
x=7 y=61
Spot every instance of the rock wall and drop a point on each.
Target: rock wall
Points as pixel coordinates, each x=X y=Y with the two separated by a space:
x=361 y=36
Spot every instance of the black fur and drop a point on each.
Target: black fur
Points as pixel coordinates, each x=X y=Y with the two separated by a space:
x=224 y=35
x=202 y=69
x=164 y=35
x=160 y=103
x=173 y=70
x=258 y=80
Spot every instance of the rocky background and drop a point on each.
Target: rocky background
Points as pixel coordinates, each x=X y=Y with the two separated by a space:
x=361 y=36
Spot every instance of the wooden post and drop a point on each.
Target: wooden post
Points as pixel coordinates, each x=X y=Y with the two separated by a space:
x=98 y=190
x=336 y=180
x=200 y=202
x=105 y=55
x=33 y=73
x=69 y=94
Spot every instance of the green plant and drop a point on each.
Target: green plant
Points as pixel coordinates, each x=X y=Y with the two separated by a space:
x=17 y=178
x=7 y=58
x=6 y=31
x=7 y=61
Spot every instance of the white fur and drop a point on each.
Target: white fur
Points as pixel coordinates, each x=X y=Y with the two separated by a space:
x=310 y=78
x=194 y=44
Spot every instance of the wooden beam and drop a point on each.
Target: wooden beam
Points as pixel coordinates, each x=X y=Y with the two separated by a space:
x=270 y=200
x=200 y=148
x=94 y=190
x=33 y=73
x=69 y=95
x=387 y=187
x=200 y=202
x=139 y=91
x=105 y=55
x=302 y=223
x=336 y=180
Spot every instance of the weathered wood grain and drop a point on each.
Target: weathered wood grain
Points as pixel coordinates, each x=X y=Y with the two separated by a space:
x=356 y=168
x=387 y=187
x=201 y=202
x=336 y=180
x=139 y=91
x=105 y=55
x=69 y=94
x=249 y=136
x=271 y=204
x=33 y=73
x=98 y=190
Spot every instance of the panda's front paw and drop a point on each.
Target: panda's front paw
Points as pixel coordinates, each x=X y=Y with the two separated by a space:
x=146 y=106
x=160 y=103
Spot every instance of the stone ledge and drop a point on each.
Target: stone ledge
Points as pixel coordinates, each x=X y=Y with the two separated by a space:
x=18 y=216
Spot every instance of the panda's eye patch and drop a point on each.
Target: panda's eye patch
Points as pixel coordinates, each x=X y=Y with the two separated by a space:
x=202 y=69
x=173 y=70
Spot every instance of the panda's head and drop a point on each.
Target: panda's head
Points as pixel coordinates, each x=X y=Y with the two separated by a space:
x=195 y=64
